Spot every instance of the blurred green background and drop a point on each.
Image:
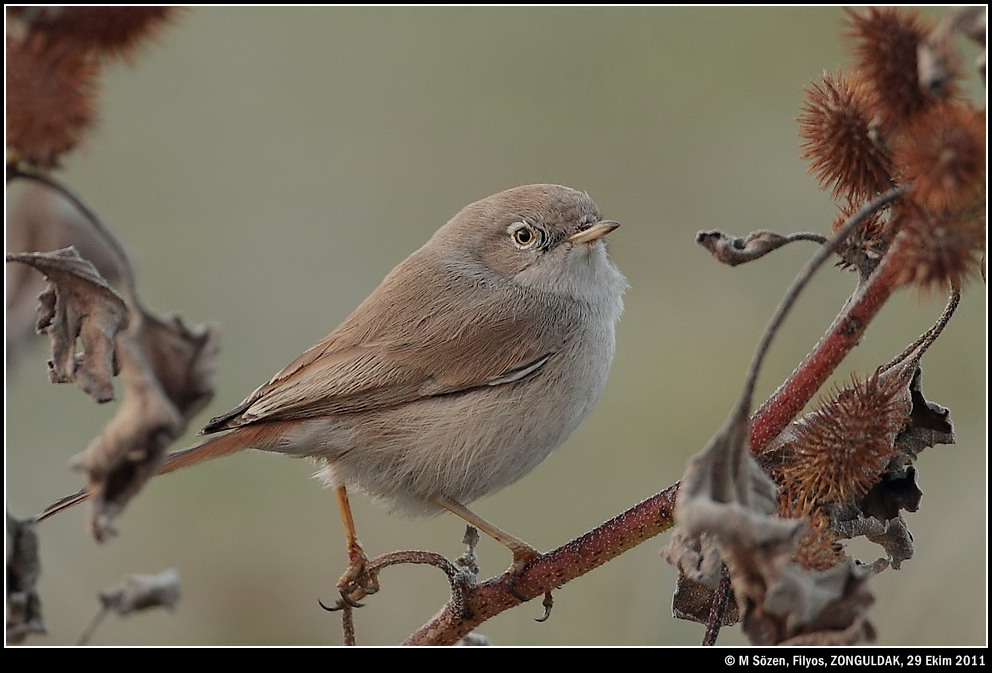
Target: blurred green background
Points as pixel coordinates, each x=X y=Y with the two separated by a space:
x=265 y=167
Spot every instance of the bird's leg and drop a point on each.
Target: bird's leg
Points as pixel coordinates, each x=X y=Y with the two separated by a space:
x=355 y=583
x=522 y=552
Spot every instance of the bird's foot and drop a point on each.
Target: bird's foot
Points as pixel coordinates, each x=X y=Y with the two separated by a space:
x=523 y=555
x=356 y=583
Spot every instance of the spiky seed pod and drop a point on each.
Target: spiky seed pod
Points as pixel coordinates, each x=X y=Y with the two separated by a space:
x=939 y=62
x=841 y=449
x=820 y=548
x=113 y=31
x=887 y=40
x=864 y=247
x=840 y=141
x=941 y=156
x=49 y=100
x=940 y=249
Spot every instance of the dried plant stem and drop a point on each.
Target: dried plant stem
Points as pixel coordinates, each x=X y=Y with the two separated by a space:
x=785 y=403
x=92 y=625
x=348 y=625
x=120 y=256
x=921 y=345
x=781 y=408
x=574 y=559
x=655 y=515
x=718 y=608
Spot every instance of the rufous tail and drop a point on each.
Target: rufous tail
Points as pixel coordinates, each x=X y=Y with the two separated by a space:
x=217 y=447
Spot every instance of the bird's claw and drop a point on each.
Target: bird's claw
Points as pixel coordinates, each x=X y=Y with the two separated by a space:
x=356 y=583
x=521 y=559
x=548 y=603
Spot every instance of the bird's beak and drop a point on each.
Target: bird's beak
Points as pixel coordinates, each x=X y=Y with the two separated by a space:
x=593 y=232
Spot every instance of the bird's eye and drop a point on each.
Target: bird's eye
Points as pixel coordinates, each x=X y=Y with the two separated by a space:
x=524 y=235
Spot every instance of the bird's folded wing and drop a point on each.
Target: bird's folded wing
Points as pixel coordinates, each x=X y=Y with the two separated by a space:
x=337 y=377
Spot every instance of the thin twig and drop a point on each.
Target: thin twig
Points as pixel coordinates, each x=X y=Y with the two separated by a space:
x=553 y=569
x=781 y=408
x=734 y=250
x=120 y=256
x=799 y=284
x=718 y=608
x=927 y=338
x=348 y=625
x=720 y=600
x=91 y=626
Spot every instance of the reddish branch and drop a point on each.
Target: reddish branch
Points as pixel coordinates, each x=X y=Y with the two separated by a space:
x=611 y=539
x=843 y=335
x=655 y=515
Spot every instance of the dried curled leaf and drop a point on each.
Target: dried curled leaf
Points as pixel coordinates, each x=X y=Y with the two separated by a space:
x=40 y=219
x=728 y=499
x=733 y=250
x=804 y=608
x=136 y=592
x=127 y=451
x=873 y=510
x=168 y=377
x=23 y=571
x=700 y=570
x=182 y=359
x=78 y=304
x=167 y=372
x=141 y=592
x=878 y=516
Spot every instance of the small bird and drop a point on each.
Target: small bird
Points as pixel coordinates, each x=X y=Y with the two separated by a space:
x=473 y=360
